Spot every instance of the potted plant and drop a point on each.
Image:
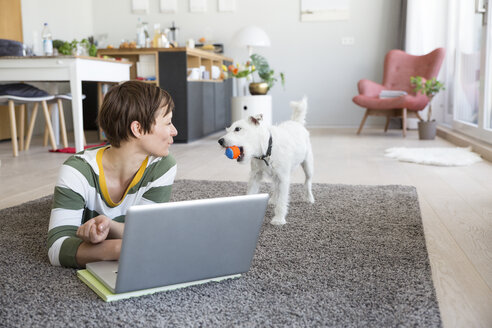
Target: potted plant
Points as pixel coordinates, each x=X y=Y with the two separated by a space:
x=429 y=88
x=266 y=75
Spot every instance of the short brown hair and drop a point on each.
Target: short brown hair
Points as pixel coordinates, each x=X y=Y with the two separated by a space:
x=128 y=102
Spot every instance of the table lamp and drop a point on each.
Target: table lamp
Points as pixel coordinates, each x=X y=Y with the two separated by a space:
x=251 y=36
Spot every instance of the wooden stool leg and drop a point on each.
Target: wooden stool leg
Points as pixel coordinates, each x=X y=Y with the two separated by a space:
x=13 y=128
x=388 y=119
x=63 y=128
x=31 y=125
x=22 y=120
x=363 y=121
x=48 y=122
x=45 y=138
x=404 y=121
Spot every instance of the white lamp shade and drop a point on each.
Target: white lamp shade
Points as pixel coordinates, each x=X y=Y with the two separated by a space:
x=251 y=36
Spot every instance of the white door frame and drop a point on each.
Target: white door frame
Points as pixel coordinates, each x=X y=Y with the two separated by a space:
x=482 y=130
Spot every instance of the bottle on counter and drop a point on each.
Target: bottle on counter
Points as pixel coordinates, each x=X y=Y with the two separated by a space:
x=173 y=35
x=163 y=41
x=140 y=34
x=157 y=35
x=145 y=27
x=47 y=41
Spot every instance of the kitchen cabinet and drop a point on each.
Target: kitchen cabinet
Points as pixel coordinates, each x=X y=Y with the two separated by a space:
x=203 y=106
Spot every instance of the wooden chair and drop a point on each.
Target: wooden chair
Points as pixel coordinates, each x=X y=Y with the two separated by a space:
x=398 y=68
x=23 y=94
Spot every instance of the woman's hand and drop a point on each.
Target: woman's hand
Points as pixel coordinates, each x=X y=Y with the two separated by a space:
x=95 y=230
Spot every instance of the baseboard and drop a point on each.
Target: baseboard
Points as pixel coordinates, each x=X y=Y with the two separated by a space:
x=462 y=140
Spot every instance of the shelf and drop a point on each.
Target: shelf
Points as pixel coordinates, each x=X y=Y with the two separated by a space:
x=145 y=81
x=189 y=51
x=213 y=81
x=135 y=57
x=194 y=59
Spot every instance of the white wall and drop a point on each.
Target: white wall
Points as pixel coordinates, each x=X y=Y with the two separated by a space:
x=67 y=19
x=310 y=54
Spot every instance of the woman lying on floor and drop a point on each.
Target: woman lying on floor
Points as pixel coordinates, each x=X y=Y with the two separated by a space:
x=96 y=187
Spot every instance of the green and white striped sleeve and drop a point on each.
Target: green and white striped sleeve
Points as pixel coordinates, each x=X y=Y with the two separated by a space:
x=74 y=183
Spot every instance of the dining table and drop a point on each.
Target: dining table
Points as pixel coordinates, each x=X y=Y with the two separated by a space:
x=72 y=69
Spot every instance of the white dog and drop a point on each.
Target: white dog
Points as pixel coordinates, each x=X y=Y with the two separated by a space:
x=274 y=151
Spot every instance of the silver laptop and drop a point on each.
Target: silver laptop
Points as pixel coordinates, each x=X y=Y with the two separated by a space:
x=184 y=243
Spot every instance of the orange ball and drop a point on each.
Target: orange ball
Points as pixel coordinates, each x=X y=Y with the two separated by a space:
x=232 y=152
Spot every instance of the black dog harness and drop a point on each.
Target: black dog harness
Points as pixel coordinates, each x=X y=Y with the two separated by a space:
x=268 y=153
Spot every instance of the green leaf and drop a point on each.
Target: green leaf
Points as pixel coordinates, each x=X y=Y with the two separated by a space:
x=65 y=49
x=57 y=44
x=93 y=50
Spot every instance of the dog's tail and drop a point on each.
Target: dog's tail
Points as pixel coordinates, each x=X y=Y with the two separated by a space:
x=299 y=110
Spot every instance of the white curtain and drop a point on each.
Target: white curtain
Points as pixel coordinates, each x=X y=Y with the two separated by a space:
x=429 y=25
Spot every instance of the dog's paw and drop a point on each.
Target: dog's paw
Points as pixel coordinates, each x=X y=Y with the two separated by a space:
x=278 y=221
x=308 y=197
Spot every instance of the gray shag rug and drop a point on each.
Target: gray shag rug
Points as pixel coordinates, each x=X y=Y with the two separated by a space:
x=355 y=258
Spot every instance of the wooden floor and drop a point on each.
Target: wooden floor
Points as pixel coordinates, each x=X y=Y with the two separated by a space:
x=456 y=202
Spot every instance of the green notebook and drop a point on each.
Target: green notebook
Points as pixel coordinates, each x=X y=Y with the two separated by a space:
x=109 y=296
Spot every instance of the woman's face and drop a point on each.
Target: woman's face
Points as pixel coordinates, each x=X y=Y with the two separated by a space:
x=158 y=141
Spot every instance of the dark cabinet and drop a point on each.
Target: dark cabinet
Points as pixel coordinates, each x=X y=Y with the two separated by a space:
x=207 y=110
x=208 y=107
x=202 y=107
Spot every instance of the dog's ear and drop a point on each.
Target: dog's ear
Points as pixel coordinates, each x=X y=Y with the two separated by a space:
x=256 y=119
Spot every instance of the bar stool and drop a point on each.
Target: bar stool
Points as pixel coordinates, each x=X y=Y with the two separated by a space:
x=23 y=94
x=63 y=129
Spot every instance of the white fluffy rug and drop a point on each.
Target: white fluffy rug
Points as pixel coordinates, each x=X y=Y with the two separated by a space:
x=440 y=156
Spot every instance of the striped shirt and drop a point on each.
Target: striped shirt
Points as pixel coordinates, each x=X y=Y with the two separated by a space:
x=81 y=194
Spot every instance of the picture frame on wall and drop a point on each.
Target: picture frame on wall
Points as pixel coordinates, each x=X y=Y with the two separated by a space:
x=140 y=7
x=325 y=10
x=169 y=6
x=198 y=6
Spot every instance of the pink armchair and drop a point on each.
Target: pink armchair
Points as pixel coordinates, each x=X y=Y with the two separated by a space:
x=398 y=68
